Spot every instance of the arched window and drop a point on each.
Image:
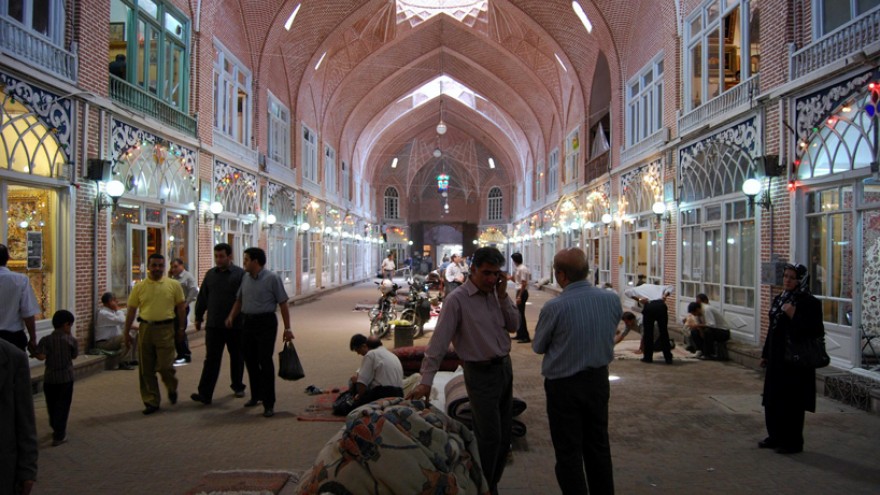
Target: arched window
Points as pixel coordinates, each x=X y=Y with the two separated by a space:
x=392 y=203
x=495 y=204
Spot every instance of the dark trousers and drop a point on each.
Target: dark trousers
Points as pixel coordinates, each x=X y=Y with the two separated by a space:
x=656 y=312
x=216 y=338
x=258 y=344
x=182 y=345
x=522 y=333
x=376 y=393
x=58 y=399
x=577 y=410
x=490 y=391
x=785 y=423
x=18 y=339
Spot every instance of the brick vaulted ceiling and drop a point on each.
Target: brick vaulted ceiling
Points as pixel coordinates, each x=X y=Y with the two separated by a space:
x=506 y=53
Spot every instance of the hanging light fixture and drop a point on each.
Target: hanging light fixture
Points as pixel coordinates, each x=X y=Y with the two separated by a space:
x=441 y=126
x=442 y=183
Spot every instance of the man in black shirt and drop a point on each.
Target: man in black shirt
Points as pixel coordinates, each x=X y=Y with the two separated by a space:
x=217 y=296
x=118 y=66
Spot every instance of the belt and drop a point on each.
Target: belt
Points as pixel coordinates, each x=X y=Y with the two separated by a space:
x=163 y=322
x=257 y=315
x=101 y=340
x=495 y=361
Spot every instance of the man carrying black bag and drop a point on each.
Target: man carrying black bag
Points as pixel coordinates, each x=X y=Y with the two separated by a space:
x=289 y=365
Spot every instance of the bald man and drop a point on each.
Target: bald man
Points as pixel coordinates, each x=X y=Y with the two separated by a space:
x=575 y=333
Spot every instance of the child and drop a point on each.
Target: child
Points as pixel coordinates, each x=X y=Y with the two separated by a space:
x=696 y=325
x=58 y=349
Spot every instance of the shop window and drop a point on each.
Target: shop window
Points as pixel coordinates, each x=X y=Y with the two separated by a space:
x=572 y=157
x=43 y=17
x=840 y=143
x=233 y=97
x=495 y=204
x=830 y=251
x=392 y=203
x=644 y=102
x=310 y=154
x=330 y=170
x=149 y=48
x=27 y=145
x=832 y=14
x=553 y=171
x=278 y=147
x=31 y=224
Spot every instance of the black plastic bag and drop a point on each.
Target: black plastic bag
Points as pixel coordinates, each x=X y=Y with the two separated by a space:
x=289 y=365
x=343 y=404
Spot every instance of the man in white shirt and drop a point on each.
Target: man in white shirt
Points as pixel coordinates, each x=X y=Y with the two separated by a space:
x=190 y=292
x=108 y=331
x=380 y=374
x=521 y=276
x=19 y=309
x=454 y=275
x=652 y=299
x=388 y=266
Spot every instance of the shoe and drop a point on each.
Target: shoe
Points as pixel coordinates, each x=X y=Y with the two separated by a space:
x=699 y=355
x=251 y=403
x=268 y=412
x=149 y=409
x=125 y=366
x=180 y=362
x=60 y=441
x=789 y=450
x=172 y=396
x=239 y=393
x=767 y=443
x=523 y=341
x=199 y=398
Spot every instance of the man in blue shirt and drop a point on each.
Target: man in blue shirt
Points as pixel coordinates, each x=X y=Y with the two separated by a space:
x=575 y=333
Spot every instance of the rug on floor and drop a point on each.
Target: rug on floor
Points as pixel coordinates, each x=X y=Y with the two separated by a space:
x=243 y=482
x=321 y=409
x=629 y=349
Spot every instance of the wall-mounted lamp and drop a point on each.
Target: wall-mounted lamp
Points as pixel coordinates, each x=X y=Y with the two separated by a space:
x=752 y=187
x=659 y=209
x=269 y=221
x=214 y=209
x=112 y=190
x=304 y=227
x=607 y=218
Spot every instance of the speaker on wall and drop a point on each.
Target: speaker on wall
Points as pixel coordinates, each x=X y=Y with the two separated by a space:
x=98 y=169
x=769 y=165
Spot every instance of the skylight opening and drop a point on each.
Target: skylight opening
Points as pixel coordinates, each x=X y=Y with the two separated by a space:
x=579 y=11
x=320 y=60
x=491 y=162
x=292 y=17
x=394 y=163
x=560 y=62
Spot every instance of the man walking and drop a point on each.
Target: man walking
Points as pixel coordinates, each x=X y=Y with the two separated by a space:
x=219 y=289
x=454 y=276
x=19 y=309
x=521 y=276
x=260 y=291
x=575 y=333
x=388 y=267
x=156 y=300
x=190 y=292
x=478 y=320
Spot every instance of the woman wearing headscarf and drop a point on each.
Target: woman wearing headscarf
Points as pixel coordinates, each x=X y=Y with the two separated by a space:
x=789 y=390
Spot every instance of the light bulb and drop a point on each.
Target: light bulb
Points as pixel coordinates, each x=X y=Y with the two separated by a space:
x=441 y=128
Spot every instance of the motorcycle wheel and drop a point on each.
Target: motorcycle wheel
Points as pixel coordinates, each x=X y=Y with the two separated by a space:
x=379 y=327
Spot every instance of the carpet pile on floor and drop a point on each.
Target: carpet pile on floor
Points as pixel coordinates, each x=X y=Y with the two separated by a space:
x=244 y=483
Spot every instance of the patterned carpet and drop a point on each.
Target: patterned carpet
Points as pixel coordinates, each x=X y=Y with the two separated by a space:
x=321 y=409
x=244 y=483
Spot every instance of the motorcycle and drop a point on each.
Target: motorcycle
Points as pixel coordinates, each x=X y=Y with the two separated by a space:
x=417 y=308
x=383 y=312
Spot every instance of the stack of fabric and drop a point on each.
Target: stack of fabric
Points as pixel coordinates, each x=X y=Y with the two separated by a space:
x=411 y=359
x=458 y=406
x=395 y=446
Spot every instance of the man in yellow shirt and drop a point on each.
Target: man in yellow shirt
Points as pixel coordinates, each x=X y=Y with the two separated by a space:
x=156 y=301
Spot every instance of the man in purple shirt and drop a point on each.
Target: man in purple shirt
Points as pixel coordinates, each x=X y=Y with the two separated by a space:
x=478 y=319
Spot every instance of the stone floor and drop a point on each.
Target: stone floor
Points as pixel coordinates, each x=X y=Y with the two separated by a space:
x=687 y=428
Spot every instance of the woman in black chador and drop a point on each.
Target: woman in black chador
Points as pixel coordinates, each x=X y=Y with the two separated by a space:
x=789 y=391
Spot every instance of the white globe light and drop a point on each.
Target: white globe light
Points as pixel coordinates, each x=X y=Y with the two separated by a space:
x=437 y=152
x=115 y=189
x=23 y=224
x=441 y=128
x=606 y=218
x=553 y=230
x=270 y=219
x=305 y=226
x=659 y=207
x=751 y=187
x=574 y=226
x=216 y=207
x=328 y=230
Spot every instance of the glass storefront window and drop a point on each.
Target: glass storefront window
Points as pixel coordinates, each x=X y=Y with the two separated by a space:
x=830 y=241
x=31 y=216
x=127 y=265
x=178 y=236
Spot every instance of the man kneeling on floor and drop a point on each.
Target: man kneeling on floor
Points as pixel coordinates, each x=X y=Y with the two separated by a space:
x=380 y=374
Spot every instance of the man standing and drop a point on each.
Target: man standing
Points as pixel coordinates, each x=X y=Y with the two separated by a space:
x=108 y=330
x=260 y=291
x=18 y=429
x=388 y=266
x=156 y=300
x=219 y=289
x=479 y=319
x=190 y=292
x=521 y=276
x=652 y=299
x=575 y=333
x=19 y=309
x=453 y=275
